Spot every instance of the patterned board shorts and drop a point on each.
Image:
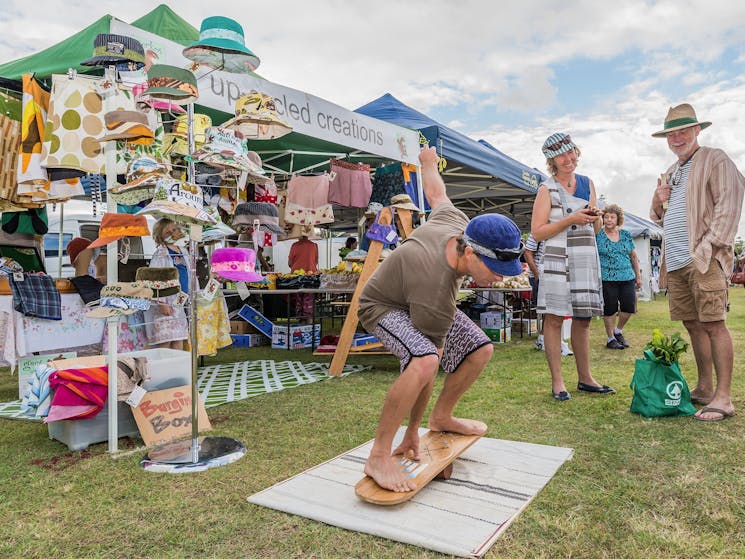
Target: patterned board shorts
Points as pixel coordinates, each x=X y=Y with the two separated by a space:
x=399 y=335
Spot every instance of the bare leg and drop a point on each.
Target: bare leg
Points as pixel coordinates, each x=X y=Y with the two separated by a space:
x=456 y=384
x=581 y=347
x=701 y=345
x=405 y=396
x=610 y=324
x=715 y=338
x=552 y=345
x=623 y=318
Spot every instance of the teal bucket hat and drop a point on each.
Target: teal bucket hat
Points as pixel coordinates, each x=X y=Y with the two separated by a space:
x=171 y=83
x=222 y=46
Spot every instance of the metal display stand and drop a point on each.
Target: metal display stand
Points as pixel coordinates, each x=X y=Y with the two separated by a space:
x=203 y=452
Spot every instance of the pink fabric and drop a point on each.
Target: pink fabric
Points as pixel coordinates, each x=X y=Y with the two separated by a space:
x=351 y=186
x=308 y=192
x=78 y=393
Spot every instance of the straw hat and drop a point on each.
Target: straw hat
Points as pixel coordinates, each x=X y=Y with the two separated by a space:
x=678 y=118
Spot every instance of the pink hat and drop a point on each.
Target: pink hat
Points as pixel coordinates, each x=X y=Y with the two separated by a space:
x=236 y=264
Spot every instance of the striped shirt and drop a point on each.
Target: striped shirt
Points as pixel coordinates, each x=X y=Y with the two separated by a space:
x=537 y=248
x=675 y=224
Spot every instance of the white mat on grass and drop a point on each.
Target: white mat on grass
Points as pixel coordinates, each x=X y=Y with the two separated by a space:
x=492 y=483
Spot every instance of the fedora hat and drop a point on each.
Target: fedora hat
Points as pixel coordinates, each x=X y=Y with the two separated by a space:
x=265 y=213
x=116 y=226
x=256 y=117
x=222 y=45
x=112 y=49
x=404 y=202
x=235 y=264
x=678 y=118
x=171 y=83
x=130 y=126
x=162 y=281
x=179 y=201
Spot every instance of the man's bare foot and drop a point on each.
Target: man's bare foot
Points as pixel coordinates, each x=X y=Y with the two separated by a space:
x=386 y=472
x=457 y=425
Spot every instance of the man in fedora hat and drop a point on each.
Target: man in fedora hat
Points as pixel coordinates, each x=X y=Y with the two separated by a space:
x=409 y=305
x=698 y=202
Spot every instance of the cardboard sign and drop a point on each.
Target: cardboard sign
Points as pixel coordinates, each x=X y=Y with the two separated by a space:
x=165 y=415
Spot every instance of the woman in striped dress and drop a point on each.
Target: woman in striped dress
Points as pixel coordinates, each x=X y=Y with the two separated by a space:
x=566 y=217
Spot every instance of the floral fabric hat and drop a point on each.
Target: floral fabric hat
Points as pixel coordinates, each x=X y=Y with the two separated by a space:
x=256 y=117
x=178 y=201
x=222 y=45
x=171 y=83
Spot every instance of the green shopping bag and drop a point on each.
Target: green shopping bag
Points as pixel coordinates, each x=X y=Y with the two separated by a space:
x=659 y=389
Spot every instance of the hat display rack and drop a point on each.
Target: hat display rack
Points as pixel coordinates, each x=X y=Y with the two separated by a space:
x=221 y=47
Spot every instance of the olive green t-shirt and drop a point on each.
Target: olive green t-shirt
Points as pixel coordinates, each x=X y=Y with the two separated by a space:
x=416 y=278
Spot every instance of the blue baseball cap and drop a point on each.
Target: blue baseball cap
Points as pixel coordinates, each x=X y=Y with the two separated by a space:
x=497 y=241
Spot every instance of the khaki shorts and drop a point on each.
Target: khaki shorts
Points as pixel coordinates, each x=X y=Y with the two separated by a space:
x=696 y=296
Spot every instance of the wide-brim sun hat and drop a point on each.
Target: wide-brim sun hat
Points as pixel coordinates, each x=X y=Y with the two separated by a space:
x=256 y=117
x=162 y=281
x=404 y=202
x=265 y=213
x=115 y=226
x=178 y=201
x=678 y=118
x=222 y=45
x=497 y=241
x=235 y=264
x=171 y=83
x=556 y=144
x=130 y=126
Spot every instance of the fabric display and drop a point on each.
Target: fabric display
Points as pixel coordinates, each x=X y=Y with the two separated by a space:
x=411 y=185
x=37 y=397
x=36 y=295
x=130 y=372
x=225 y=149
x=266 y=192
x=291 y=230
x=79 y=393
x=256 y=118
x=88 y=287
x=213 y=325
x=351 y=186
x=388 y=182
x=30 y=222
x=307 y=200
x=10 y=144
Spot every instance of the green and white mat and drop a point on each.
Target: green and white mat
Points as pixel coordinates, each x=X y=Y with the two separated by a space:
x=229 y=382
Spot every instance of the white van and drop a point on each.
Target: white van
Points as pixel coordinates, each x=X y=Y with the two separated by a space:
x=86 y=226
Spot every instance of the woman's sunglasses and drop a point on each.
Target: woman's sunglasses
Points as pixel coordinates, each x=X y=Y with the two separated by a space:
x=565 y=141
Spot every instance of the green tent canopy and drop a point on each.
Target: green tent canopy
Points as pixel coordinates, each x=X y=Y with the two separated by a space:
x=68 y=53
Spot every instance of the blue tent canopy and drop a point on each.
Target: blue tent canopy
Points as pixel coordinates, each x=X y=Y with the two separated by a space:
x=479 y=177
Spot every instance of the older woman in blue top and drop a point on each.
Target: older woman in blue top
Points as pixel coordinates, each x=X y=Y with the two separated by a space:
x=619 y=268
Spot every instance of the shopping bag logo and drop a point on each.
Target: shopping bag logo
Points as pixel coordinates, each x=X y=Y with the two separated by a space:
x=674 y=392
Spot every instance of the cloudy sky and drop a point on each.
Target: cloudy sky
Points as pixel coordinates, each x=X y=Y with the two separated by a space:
x=508 y=72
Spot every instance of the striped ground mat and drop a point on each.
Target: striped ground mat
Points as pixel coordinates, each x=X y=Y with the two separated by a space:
x=228 y=382
x=491 y=484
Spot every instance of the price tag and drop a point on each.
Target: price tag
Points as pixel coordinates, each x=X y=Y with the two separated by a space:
x=242 y=290
x=181 y=299
x=210 y=290
x=18 y=276
x=136 y=396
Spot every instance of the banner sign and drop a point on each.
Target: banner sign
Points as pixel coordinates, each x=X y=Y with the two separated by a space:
x=307 y=114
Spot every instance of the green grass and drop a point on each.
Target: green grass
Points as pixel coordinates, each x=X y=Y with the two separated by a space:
x=664 y=488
